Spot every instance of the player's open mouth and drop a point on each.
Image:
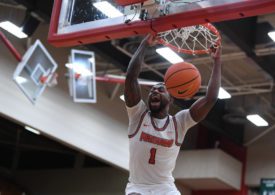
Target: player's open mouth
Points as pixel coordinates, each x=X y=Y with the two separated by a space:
x=155 y=104
x=155 y=100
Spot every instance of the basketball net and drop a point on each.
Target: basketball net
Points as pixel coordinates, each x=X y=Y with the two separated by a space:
x=191 y=40
x=53 y=81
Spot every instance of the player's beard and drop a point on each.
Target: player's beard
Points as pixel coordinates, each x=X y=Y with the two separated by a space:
x=157 y=108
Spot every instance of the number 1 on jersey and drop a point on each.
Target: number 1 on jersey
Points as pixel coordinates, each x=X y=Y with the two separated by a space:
x=152 y=159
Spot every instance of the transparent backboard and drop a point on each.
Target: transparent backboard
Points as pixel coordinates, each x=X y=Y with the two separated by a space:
x=82 y=76
x=76 y=22
x=34 y=71
x=77 y=15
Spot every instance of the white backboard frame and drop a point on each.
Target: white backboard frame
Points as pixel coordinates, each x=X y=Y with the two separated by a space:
x=91 y=80
x=20 y=67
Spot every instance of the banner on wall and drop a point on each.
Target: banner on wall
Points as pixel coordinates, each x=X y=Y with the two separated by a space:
x=267 y=187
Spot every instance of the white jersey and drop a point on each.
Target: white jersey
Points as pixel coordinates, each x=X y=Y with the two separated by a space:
x=155 y=144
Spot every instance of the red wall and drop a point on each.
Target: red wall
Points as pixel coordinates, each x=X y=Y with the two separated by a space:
x=237 y=151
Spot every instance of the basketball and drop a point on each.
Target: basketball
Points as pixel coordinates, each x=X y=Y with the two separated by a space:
x=182 y=80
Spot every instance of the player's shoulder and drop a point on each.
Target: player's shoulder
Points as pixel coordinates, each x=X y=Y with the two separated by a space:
x=140 y=104
x=137 y=109
x=184 y=117
x=182 y=112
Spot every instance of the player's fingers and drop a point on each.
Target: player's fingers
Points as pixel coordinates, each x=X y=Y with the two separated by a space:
x=152 y=39
x=212 y=49
x=218 y=50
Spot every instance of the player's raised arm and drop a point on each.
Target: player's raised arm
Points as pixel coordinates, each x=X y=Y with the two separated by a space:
x=132 y=91
x=201 y=107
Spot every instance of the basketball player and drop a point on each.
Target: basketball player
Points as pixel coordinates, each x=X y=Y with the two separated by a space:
x=155 y=136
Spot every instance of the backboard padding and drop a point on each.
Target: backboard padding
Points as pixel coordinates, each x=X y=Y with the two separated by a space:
x=65 y=32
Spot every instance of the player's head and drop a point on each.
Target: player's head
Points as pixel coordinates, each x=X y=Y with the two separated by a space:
x=159 y=99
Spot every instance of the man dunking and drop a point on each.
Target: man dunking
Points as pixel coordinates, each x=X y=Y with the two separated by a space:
x=155 y=136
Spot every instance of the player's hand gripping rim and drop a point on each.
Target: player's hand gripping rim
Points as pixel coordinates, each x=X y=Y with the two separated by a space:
x=215 y=52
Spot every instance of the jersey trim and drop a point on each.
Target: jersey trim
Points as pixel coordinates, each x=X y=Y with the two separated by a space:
x=157 y=128
x=176 y=131
x=139 y=124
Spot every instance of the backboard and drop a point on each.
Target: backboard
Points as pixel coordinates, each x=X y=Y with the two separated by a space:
x=82 y=83
x=34 y=71
x=76 y=22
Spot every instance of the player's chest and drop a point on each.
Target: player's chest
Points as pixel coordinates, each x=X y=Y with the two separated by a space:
x=149 y=135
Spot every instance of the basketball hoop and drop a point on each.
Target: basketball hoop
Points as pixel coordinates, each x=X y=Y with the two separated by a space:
x=192 y=39
x=52 y=82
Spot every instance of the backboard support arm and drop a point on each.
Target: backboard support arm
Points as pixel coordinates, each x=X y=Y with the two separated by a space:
x=12 y=49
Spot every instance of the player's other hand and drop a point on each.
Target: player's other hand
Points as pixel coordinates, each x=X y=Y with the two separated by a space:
x=151 y=39
x=215 y=52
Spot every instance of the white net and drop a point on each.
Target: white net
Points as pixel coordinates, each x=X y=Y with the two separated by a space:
x=53 y=81
x=192 y=40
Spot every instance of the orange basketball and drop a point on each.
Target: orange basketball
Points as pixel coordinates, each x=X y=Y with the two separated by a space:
x=182 y=80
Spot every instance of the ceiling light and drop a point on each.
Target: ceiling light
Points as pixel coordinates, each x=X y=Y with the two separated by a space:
x=32 y=130
x=257 y=120
x=272 y=35
x=107 y=9
x=141 y=82
x=13 y=29
x=223 y=94
x=122 y=98
x=169 y=55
